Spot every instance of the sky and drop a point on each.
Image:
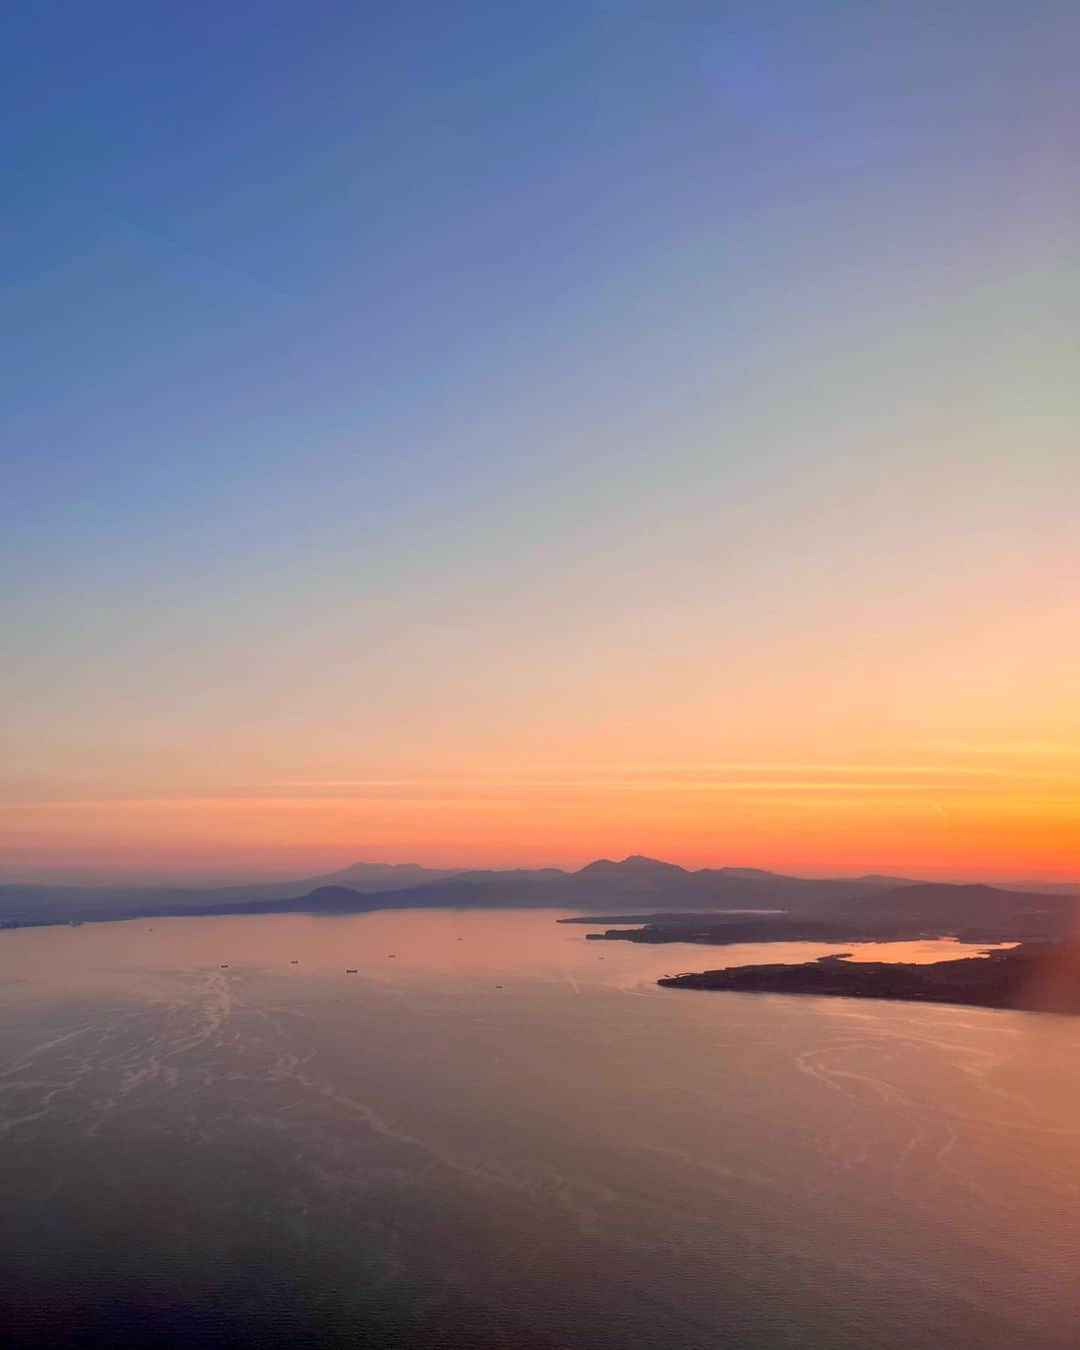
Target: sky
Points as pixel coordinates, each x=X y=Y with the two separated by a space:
x=488 y=434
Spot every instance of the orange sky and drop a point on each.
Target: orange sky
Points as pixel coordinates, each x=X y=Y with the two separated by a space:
x=838 y=727
x=950 y=812
x=898 y=713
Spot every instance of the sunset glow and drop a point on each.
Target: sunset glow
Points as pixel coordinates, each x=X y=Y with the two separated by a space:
x=960 y=815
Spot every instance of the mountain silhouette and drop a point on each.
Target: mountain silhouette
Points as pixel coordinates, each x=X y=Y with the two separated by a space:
x=635 y=867
x=962 y=907
x=632 y=885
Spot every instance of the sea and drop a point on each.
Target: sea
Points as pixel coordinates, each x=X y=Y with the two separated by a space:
x=466 y=1129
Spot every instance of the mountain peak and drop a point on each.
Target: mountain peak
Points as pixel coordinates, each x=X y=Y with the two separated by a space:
x=636 y=865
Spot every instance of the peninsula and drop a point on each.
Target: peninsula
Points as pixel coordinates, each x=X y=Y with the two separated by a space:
x=1034 y=977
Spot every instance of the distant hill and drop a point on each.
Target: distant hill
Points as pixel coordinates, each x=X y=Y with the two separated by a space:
x=635 y=869
x=631 y=885
x=871 y=904
x=607 y=885
x=362 y=876
x=959 y=908
x=28 y=903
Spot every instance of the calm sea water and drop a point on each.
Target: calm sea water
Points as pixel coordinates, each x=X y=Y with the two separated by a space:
x=499 y=1134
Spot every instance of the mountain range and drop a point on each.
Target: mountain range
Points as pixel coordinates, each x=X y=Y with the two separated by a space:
x=634 y=884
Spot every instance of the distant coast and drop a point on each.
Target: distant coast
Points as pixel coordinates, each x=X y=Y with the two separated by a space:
x=1032 y=977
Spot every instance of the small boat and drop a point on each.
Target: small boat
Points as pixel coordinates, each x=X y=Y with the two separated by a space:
x=294 y=963
x=351 y=970
x=391 y=956
x=224 y=966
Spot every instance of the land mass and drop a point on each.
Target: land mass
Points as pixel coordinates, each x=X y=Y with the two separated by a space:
x=602 y=885
x=662 y=902
x=1033 y=977
x=899 y=913
x=1042 y=972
